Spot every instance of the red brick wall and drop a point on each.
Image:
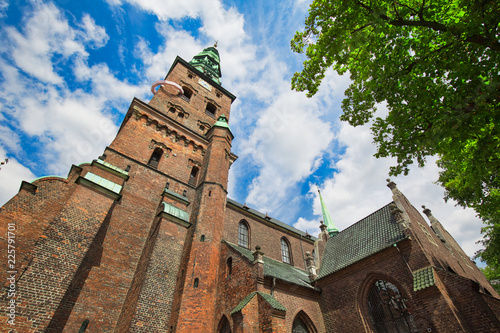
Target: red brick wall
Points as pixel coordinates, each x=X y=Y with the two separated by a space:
x=474 y=312
x=207 y=217
x=445 y=256
x=138 y=135
x=233 y=288
x=268 y=237
x=157 y=293
x=30 y=214
x=56 y=257
x=296 y=299
x=344 y=294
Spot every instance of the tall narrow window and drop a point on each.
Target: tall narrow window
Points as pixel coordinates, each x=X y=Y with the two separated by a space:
x=192 y=176
x=155 y=157
x=285 y=251
x=187 y=94
x=229 y=266
x=196 y=282
x=388 y=311
x=243 y=234
x=211 y=109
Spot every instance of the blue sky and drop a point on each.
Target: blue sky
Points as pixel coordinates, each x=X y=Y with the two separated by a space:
x=69 y=69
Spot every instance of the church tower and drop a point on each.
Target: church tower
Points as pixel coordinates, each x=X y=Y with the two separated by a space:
x=134 y=236
x=191 y=145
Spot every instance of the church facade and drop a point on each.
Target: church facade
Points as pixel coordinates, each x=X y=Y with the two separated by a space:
x=145 y=239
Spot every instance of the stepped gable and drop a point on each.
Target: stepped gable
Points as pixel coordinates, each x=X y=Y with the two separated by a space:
x=368 y=236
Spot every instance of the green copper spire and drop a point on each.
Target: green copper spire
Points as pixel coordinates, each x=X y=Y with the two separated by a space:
x=208 y=62
x=327 y=219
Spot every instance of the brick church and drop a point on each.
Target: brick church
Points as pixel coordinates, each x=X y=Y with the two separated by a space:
x=145 y=239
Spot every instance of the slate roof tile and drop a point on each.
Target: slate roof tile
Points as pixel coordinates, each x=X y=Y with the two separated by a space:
x=370 y=235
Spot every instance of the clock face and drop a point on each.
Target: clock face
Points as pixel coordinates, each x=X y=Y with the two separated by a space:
x=205 y=84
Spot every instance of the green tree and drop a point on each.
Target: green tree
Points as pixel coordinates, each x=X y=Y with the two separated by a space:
x=435 y=64
x=493 y=276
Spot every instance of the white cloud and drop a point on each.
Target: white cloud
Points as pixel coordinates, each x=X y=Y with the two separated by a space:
x=359 y=188
x=167 y=9
x=287 y=144
x=73 y=126
x=93 y=34
x=11 y=176
x=45 y=34
x=4 y=5
x=177 y=42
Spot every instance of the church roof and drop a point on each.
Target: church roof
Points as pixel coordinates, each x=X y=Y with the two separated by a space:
x=271 y=220
x=277 y=269
x=267 y=297
x=370 y=235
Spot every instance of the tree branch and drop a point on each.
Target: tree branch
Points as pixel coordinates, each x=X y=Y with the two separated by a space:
x=361 y=28
x=475 y=39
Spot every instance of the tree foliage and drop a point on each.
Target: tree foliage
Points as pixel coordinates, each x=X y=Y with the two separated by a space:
x=493 y=276
x=435 y=63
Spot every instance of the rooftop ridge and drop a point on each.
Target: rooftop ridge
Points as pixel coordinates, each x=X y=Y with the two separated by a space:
x=272 y=220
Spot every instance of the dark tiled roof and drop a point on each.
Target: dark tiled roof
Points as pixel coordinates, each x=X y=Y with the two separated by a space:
x=269 y=299
x=277 y=269
x=271 y=220
x=364 y=238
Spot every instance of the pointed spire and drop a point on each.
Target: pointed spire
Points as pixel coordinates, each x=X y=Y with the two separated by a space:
x=330 y=226
x=208 y=62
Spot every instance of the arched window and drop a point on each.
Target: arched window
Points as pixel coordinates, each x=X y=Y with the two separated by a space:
x=302 y=324
x=243 y=234
x=285 y=251
x=196 y=282
x=388 y=310
x=229 y=266
x=155 y=157
x=210 y=110
x=192 y=176
x=187 y=94
x=224 y=326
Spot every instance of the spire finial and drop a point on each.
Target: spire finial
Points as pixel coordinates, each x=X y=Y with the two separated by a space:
x=215 y=44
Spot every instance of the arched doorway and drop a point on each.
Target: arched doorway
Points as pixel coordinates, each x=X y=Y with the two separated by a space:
x=224 y=326
x=388 y=309
x=302 y=324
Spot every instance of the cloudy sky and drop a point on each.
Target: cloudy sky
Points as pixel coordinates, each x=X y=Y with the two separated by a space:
x=69 y=69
